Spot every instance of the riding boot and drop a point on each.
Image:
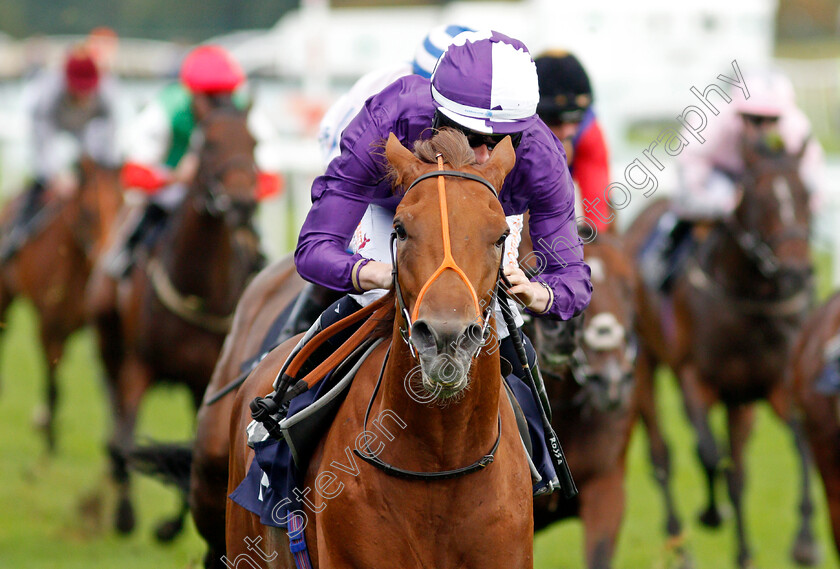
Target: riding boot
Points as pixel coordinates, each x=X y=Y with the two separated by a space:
x=517 y=382
x=656 y=260
x=21 y=227
x=146 y=228
x=679 y=245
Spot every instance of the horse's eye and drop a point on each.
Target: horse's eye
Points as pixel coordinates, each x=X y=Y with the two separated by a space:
x=400 y=231
x=501 y=240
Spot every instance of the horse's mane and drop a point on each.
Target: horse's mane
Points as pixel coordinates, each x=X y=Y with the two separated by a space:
x=450 y=143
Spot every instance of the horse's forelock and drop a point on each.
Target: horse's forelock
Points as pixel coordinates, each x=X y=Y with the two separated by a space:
x=450 y=143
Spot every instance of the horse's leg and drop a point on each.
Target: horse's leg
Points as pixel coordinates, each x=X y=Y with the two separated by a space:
x=167 y=530
x=601 y=510
x=698 y=400
x=805 y=550
x=740 y=419
x=659 y=454
x=132 y=382
x=45 y=417
x=209 y=476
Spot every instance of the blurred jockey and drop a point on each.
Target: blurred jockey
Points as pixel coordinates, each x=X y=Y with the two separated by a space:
x=484 y=85
x=160 y=164
x=709 y=172
x=566 y=107
x=78 y=101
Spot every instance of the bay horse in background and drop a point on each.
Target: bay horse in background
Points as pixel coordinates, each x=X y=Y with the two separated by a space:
x=816 y=348
x=591 y=397
x=481 y=519
x=272 y=290
x=52 y=267
x=727 y=329
x=168 y=321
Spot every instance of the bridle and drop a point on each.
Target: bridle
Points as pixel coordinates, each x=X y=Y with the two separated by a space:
x=448 y=261
x=760 y=250
x=216 y=200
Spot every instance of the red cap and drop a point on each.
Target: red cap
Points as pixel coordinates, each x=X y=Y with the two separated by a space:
x=81 y=72
x=211 y=69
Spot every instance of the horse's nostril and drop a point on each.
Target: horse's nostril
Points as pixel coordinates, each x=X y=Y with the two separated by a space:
x=422 y=336
x=473 y=336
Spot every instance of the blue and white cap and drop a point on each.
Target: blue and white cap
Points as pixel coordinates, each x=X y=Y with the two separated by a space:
x=487 y=82
x=433 y=46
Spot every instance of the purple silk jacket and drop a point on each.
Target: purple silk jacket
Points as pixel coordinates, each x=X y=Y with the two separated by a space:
x=539 y=183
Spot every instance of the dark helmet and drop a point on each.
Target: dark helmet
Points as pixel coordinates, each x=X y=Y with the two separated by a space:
x=565 y=91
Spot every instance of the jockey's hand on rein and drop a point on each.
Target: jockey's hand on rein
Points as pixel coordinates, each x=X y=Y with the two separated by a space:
x=532 y=295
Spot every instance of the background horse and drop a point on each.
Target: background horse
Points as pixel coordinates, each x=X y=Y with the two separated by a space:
x=52 y=268
x=264 y=298
x=170 y=319
x=728 y=327
x=483 y=519
x=591 y=396
x=816 y=346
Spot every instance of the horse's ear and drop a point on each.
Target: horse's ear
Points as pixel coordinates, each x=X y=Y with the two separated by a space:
x=500 y=163
x=404 y=162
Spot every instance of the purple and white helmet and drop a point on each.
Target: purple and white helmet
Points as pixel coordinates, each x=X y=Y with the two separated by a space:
x=487 y=82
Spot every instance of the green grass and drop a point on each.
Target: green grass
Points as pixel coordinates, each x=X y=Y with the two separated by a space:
x=56 y=513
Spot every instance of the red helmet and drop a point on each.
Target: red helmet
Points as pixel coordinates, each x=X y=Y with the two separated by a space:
x=80 y=72
x=211 y=69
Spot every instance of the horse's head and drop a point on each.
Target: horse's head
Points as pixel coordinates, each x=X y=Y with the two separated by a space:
x=449 y=233
x=603 y=349
x=226 y=182
x=99 y=197
x=771 y=222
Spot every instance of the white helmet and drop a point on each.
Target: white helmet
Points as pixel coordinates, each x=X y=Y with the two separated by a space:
x=770 y=95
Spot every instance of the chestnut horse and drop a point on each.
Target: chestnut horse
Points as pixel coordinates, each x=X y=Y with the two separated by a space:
x=727 y=329
x=52 y=268
x=821 y=408
x=169 y=320
x=481 y=518
x=591 y=396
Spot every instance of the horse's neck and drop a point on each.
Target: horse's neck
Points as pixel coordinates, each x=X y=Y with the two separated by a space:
x=440 y=436
x=199 y=255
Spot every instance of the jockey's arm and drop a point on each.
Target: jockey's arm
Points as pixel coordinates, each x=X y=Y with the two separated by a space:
x=557 y=247
x=340 y=197
x=45 y=132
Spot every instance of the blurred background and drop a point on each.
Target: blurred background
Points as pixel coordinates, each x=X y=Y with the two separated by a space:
x=300 y=56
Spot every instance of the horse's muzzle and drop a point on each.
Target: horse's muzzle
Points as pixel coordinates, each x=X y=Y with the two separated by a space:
x=445 y=351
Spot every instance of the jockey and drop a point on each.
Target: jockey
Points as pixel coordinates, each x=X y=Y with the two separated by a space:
x=335 y=120
x=709 y=172
x=485 y=85
x=566 y=107
x=79 y=101
x=159 y=162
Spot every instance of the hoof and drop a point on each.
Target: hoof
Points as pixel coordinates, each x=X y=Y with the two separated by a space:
x=169 y=530
x=806 y=552
x=41 y=417
x=124 y=521
x=711 y=518
x=673 y=528
x=745 y=561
